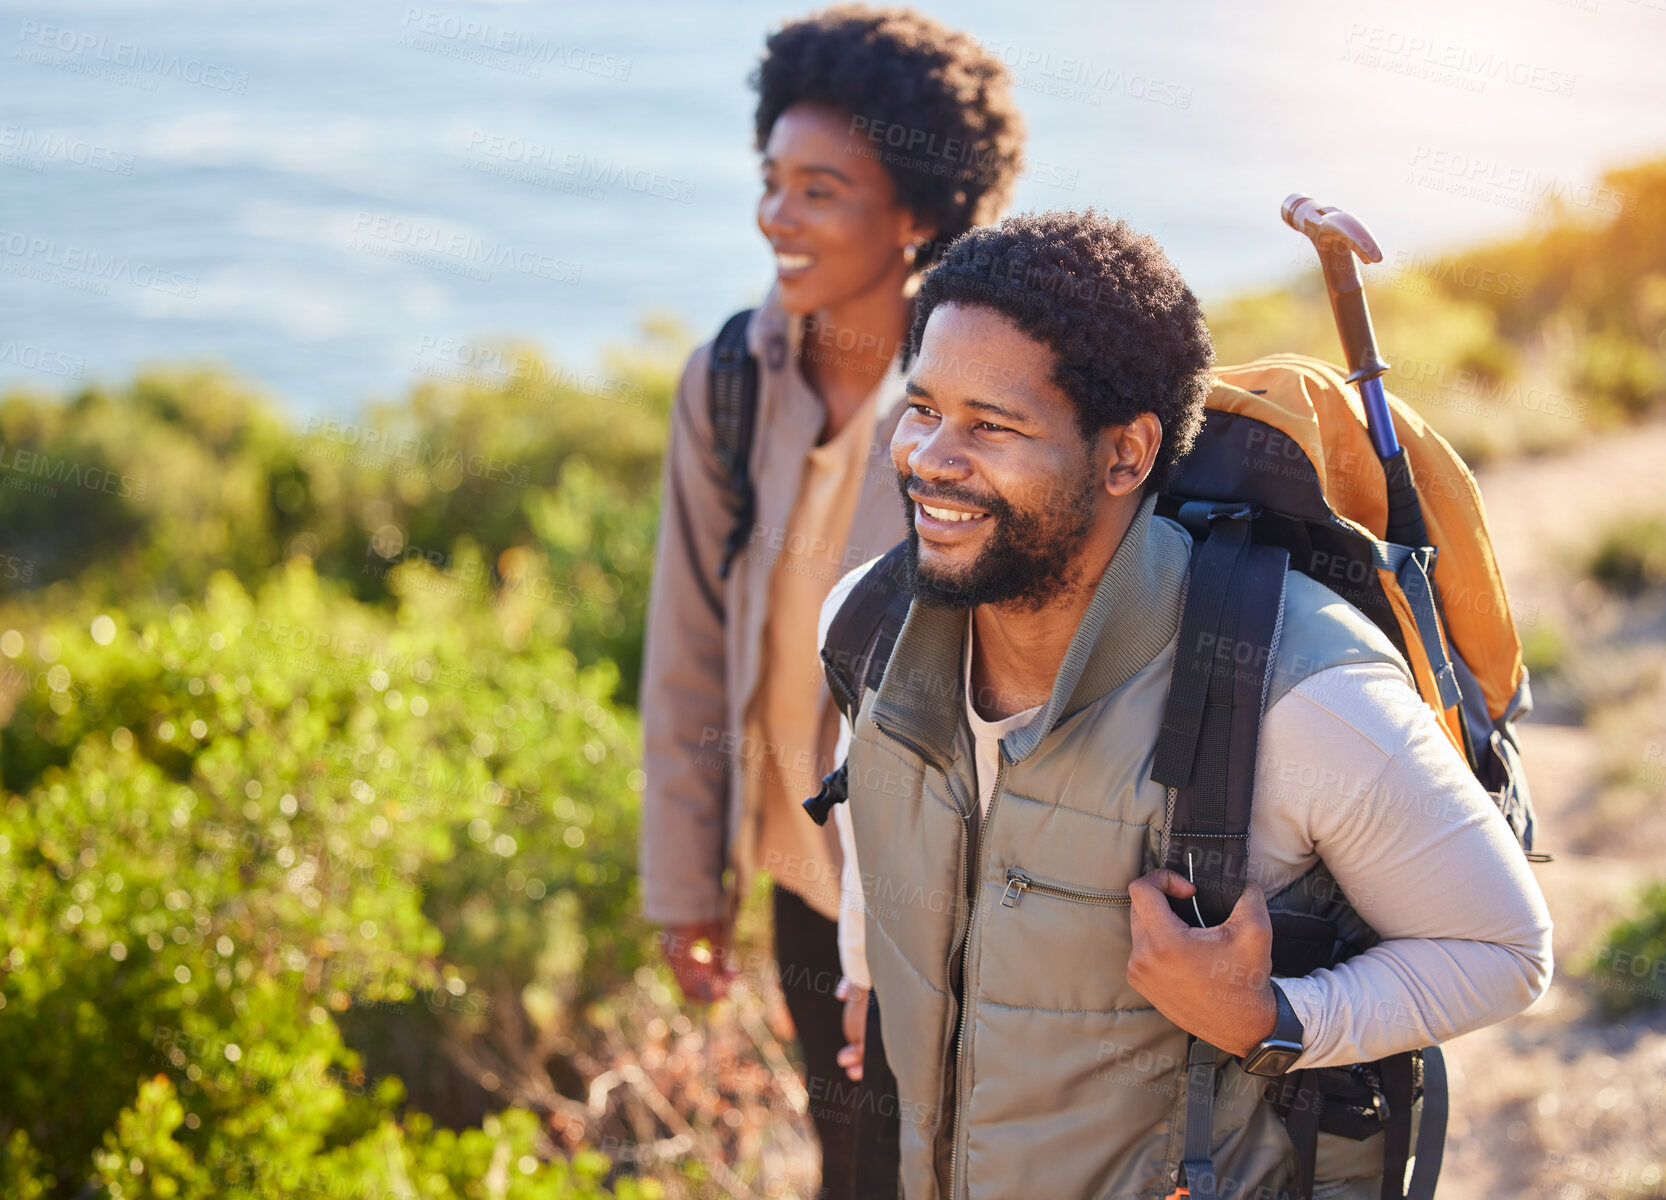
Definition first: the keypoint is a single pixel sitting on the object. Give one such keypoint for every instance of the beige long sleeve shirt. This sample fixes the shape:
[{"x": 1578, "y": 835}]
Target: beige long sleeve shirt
[
  {"x": 1354, "y": 770},
  {"x": 792, "y": 724}
]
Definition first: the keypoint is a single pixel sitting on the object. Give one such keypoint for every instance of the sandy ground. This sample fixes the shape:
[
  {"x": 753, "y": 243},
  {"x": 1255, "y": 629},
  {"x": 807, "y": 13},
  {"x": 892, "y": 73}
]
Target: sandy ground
[{"x": 1557, "y": 1102}]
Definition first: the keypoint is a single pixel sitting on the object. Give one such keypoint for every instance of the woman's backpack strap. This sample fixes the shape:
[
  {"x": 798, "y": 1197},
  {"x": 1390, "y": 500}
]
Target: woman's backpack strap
[
  {"x": 860, "y": 639},
  {"x": 733, "y": 395}
]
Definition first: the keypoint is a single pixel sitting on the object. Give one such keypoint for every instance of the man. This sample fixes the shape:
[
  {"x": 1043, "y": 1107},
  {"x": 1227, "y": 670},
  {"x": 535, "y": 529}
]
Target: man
[{"x": 1036, "y": 988}]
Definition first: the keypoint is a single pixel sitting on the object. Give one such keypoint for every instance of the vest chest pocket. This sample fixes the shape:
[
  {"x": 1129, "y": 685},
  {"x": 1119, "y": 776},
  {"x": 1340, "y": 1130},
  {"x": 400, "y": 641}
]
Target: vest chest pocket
[
  {"x": 1049, "y": 944},
  {"x": 1019, "y": 882}
]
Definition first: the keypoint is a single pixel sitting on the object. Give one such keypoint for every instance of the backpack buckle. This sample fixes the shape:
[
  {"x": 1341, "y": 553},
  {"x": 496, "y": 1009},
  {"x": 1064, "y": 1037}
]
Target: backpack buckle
[{"x": 835, "y": 789}]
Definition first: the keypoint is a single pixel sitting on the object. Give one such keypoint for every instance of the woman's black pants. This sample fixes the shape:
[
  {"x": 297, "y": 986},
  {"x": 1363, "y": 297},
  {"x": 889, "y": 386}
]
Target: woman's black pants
[{"x": 856, "y": 1123}]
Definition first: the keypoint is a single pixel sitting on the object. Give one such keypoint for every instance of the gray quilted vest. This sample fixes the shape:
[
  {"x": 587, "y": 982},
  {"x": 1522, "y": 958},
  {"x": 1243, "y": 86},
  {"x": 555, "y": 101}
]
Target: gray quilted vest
[{"x": 1054, "y": 1078}]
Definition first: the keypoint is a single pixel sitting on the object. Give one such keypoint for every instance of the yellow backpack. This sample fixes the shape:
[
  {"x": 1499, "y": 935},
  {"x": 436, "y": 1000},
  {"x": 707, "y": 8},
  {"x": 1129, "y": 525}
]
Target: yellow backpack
[
  {"x": 1288, "y": 434},
  {"x": 1285, "y": 464}
]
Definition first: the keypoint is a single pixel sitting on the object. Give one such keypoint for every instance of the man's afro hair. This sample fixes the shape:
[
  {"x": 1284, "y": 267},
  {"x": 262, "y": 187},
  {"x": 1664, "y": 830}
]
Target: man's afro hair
[
  {"x": 933, "y": 104},
  {"x": 1127, "y": 334}
]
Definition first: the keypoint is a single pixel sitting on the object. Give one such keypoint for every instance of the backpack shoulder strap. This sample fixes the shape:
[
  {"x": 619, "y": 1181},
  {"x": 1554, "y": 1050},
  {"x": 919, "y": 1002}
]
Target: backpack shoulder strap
[
  {"x": 1229, "y": 636},
  {"x": 1205, "y": 754},
  {"x": 733, "y": 396},
  {"x": 1228, "y": 641},
  {"x": 864, "y": 631},
  {"x": 860, "y": 639}
]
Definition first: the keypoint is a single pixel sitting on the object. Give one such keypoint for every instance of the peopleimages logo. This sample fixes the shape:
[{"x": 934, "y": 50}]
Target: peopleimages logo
[
  {"x": 14, "y": 353},
  {"x": 383, "y": 448},
  {"x": 1511, "y": 186},
  {"x": 44, "y": 252},
  {"x": 431, "y": 245},
  {"x": 22, "y": 468},
  {"x": 1453, "y": 273},
  {"x": 67, "y": 149},
  {"x": 470, "y": 32},
  {"x": 1447, "y": 386},
  {"x": 582, "y": 168},
  {"x": 1075, "y": 78},
  {"x": 500, "y": 367},
  {"x": 1426, "y": 57},
  {"x": 132, "y": 56}
]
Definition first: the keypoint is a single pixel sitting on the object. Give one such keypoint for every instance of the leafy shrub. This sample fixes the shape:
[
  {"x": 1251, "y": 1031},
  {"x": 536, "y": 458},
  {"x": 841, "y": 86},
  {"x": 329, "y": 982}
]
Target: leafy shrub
[
  {"x": 155, "y": 486},
  {"x": 151, "y": 488},
  {"x": 1544, "y": 649},
  {"x": 225, "y": 824},
  {"x": 1631, "y": 557},
  {"x": 141, "y": 1159},
  {"x": 1629, "y": 969}
]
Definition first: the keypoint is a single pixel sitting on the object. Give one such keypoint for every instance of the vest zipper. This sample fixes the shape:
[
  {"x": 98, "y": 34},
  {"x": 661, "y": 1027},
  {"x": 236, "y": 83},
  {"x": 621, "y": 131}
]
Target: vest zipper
[{"x": 1018, "y": 883}]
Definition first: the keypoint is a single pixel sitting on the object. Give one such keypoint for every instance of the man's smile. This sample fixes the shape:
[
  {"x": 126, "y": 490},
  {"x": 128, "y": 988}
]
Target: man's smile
[{"x": 938, "y": 519}]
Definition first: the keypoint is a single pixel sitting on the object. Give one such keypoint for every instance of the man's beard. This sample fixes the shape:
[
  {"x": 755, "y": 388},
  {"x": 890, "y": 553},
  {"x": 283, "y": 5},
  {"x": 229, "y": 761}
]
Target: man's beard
[{"x": 1025, "y": 561}]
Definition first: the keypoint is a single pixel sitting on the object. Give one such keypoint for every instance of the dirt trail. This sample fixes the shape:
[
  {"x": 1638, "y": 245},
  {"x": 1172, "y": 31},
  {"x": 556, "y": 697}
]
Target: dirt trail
[
  {"x": 1555, "y": 1102},
  {"x": 1542, "y": 511}
]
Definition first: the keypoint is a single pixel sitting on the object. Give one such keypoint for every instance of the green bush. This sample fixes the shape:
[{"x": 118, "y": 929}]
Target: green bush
[
  {"x": 1544, "y": 649},
  {"x": 151, "y": 488},
  {"x": 226, "y": 823},
  {"x": 140, "y": 1158},
  {"x": 1629, "y": 969},
  {"x": 1631, "y": 557}
]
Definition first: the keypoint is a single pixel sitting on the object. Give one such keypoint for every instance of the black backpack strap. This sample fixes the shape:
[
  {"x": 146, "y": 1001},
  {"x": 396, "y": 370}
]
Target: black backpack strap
[
  {"x": 1397, "y": 1072},
  {"x": 864, "y": 630},
  {"x": 1205, "y": 753},
  {"x": 860, "y": 639},
  {"x": 1198, "y": 1162},
  {"x": 1302, "y": 1124},
  {"x": 1223, "y": 663},
  {"x": 733, "y": 393},
  {"x": 1431, "y": 1133}
]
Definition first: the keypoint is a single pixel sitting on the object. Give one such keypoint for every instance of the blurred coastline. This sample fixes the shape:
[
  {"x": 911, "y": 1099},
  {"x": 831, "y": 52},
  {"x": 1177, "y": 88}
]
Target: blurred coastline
[{"x": 314, "y": 195}]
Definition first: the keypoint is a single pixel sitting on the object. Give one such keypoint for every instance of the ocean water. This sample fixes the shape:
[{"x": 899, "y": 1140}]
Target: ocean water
[{"x": 335, "y": 198}]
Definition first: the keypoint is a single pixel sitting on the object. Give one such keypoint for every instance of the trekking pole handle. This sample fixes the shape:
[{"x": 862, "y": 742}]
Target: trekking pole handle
[
  {"x": 1308, "y": 218},
  {"x": 1343, "y": 242}
]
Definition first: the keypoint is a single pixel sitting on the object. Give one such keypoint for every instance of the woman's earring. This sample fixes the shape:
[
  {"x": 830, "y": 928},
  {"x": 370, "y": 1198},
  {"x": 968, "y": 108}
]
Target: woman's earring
[{"x": 912, "y": 251}]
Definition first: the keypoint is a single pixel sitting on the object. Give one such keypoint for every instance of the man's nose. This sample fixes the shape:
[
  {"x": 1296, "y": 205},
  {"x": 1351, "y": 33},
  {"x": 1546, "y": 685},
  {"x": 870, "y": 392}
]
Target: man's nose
[{"x": 941, "y": 455}]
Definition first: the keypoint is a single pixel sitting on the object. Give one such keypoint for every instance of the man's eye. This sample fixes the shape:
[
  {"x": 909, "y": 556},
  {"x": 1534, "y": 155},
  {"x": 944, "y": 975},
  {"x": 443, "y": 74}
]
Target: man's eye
[
  {"x": 921, "y": 410},
  {"x": 993, "y": 426},
  {"x": 819, "y": 194}
]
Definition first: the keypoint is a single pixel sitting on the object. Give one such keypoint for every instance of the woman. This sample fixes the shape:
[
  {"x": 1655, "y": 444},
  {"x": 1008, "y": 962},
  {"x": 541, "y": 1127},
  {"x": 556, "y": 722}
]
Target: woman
[{"x": 883, "y": 136}]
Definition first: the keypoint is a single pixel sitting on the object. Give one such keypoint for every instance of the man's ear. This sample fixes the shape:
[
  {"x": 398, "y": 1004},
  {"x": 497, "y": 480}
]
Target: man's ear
[{"x": 1130, "y": 452}]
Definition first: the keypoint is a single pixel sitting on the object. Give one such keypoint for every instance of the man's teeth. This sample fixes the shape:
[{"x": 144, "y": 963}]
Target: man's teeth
[
  {"x": 949, "y": 514},
  {"x": 794, "y": 262}
]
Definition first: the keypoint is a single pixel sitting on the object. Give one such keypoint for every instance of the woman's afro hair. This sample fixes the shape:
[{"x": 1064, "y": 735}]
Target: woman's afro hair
[
  {"x": 933, "y": 104},
  {"x": 1127, "y": 334}
]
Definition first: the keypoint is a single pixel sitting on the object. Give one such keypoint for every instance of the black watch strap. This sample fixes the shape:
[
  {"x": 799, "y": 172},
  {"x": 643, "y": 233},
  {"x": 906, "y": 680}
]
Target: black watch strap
[{"x": 1280, "y": 1049}]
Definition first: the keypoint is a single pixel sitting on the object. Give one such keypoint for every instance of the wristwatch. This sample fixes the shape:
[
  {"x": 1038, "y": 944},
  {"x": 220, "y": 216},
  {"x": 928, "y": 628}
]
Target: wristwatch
[{"x": 1280, "y": 1049}]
